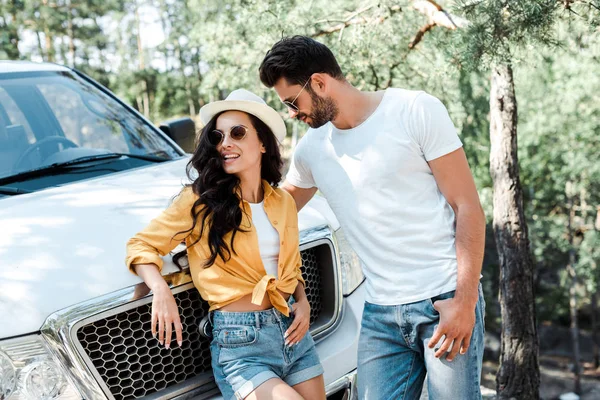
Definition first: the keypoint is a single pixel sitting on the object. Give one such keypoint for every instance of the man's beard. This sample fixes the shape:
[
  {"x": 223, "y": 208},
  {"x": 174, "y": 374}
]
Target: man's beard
[{"x": 324, "y": 110}]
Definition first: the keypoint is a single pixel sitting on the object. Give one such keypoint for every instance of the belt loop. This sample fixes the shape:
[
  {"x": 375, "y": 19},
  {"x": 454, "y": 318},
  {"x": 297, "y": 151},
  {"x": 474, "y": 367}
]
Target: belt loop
[{"x": 257, "y": 320}]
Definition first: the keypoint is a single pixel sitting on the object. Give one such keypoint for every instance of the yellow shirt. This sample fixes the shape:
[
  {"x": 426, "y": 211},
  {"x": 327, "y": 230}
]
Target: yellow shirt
[{"x": 244, "y": 273}]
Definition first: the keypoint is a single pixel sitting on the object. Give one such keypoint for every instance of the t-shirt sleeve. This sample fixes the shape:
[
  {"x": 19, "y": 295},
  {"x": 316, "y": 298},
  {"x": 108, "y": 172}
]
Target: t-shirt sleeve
[
  {"x": 431, "y": 127},
  {"x": 299, "y": 173}
]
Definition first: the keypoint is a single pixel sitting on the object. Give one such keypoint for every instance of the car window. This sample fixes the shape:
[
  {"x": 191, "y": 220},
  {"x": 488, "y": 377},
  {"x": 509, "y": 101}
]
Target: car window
[
  {"x": 78, "y": 122},
  {"x": 10, "y": 114},
  {"x": 58, "y": 117}
]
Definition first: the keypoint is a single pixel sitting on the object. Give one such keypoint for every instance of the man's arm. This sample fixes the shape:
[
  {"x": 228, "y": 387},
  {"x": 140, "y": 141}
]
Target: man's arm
[
  {"x": 457, "y": 317},
  {"x": 301, "y": 196}
]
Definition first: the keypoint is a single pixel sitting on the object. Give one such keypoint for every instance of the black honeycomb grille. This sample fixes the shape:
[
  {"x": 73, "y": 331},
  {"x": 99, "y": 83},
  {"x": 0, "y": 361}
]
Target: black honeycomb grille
[
  {"x": 131, "y": 362},
  {"x": 312, "y": 276}
]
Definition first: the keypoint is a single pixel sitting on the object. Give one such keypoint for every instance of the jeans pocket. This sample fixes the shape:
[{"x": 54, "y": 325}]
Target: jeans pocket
[
  {"x": 443, "y": 296},
  {"x": 236, "y": 336}
]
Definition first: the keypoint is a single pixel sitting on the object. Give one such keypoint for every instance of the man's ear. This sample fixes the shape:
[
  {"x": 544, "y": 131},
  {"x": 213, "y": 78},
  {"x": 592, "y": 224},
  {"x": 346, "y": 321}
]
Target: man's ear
[{"x": 320, "y": 83}]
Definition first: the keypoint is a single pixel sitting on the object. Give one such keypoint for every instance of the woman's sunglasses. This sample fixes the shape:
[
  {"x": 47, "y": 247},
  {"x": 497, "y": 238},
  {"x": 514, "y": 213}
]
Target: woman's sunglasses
[{"x": 237, "y": 132}]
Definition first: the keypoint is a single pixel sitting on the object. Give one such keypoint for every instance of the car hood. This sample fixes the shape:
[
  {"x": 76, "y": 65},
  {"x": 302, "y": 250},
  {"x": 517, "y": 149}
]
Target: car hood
[{"x": 65, "y": 245}]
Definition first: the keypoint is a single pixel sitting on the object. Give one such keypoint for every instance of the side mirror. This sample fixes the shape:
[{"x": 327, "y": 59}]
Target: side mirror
[{"x": 182, "y": 131}]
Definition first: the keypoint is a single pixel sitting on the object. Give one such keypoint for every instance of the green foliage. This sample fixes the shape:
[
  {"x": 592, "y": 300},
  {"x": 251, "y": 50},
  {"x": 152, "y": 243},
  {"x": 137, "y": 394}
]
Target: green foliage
[{"x": 496, "y": 27}]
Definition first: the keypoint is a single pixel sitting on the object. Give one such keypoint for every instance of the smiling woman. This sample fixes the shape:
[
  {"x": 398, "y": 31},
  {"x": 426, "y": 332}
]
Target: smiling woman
[{"x": 241, "y": 234}]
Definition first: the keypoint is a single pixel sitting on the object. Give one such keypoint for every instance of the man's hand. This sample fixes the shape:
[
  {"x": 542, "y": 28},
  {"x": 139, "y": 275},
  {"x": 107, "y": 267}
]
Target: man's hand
[
  {"x": 457, "y": 320},
  {"x": 301, "y": 322}
]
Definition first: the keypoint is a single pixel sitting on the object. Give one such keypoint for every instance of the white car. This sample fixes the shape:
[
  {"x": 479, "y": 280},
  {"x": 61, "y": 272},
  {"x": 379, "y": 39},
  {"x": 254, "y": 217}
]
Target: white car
[{"x": 80, "y": 173}]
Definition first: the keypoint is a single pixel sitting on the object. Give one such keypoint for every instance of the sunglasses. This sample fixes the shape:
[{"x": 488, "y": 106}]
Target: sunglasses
[
  {"x": 290, "y": 104},
  {"x": 237, "y": 132}
]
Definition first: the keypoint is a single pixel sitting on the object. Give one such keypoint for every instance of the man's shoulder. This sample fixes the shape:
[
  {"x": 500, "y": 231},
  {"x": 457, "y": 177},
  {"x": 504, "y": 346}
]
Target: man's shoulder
[
  {"x": 404, "y": 97},
  {"x": 405, "y": 103}
]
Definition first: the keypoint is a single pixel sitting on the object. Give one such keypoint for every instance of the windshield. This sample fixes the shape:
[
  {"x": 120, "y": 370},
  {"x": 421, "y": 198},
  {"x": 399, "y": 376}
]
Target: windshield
[{"x": 54, "y": 117}]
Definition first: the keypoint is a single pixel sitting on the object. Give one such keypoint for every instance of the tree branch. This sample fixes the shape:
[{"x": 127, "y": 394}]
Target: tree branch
[
  {"x": 354, "y": 19},
  {"x": 372, "y": 67},
  {"x": 392, "y": 68},
  {"x": 420, "y": 33},
  {"x": 437, "y": 17}
]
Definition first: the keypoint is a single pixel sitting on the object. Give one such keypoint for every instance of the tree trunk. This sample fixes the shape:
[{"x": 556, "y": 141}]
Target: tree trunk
[
  {"x": 48, "y": 38},
  {"x": 49, "y": 46},
  {"x": 14, "y": 32},
  {"x": 39, "y": 43},
  {"x": 71, "y": 33},
  {"x": 142, "y": 64},
  {"x": 573, "y": 295},
  {"x": 162, "y": 10},
  {"x": 518, "y": 375},
  {"x": 146, "y": 98},
  {"x": 595, "y": 337},
  {"x": 596, "y": 341}
]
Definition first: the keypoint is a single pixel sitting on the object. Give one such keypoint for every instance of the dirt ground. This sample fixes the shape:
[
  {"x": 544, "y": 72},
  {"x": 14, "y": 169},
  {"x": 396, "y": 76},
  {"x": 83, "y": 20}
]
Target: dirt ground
[{"x": 556, "y": 379}]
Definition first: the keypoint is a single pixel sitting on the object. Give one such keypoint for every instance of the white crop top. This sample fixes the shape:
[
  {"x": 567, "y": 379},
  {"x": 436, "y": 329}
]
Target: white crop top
[{"x": 268, "y": 238}]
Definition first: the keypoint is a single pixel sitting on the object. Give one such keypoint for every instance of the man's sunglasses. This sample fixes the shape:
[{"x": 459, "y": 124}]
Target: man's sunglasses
[
  {"x": 290, "y": 104},
  {"x": 237, "y": 132}
]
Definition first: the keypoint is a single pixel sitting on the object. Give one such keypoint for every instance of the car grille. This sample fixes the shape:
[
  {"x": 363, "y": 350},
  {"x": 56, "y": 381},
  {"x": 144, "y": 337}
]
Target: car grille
[{"x": 132, "y": 364}]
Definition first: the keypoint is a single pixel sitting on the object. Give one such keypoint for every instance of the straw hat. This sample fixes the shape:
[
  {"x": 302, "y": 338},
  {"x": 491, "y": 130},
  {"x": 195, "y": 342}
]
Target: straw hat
[{"x": 244, "y": 100}]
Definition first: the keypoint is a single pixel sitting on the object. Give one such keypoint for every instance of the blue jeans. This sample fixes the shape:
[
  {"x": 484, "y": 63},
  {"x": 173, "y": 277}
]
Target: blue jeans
[
  {"x": 393, "y": 357},
  {"x": 248, "y": 349}
]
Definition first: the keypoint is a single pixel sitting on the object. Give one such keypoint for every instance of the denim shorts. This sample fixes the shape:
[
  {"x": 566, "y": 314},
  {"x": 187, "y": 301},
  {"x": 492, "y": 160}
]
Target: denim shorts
[{"x": 248, "y": 349}]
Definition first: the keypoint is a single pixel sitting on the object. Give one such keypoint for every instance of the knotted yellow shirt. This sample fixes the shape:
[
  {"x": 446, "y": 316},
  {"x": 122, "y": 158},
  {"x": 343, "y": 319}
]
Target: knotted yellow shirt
[{"x": 226, "y": 281}]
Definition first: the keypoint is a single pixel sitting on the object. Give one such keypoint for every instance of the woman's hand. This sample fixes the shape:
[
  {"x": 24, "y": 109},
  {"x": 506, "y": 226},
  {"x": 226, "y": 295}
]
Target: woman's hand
[
  {"x": 165, "y": 317},
  {"x": 165, "y": 313},
  {"x": 300, "y": 324}
]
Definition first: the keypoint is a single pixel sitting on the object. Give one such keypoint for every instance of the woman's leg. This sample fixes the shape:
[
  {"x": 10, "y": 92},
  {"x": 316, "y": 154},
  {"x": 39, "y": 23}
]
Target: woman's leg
[
  {"x": 276, "y": 389},
  {"x": 313, "y": 389}
]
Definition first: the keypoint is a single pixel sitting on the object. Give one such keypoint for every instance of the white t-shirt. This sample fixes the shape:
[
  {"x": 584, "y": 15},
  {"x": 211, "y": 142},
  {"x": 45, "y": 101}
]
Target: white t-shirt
[
  {"x": 378, "y": 183},
  {"x": 268, "y": 238}
]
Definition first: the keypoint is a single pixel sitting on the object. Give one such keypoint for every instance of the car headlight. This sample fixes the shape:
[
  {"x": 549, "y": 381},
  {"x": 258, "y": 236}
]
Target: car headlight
[
  {"x": 352, "y": 275},
  {"x": 29, "y": 372}
]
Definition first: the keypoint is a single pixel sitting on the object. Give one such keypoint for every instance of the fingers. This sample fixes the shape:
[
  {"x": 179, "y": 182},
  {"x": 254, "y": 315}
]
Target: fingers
[
  {"x": 165, "y": 330},
  {"x": 466, "y": 343},
  {"x": 153, "y": 322},
  {"x": 292, "y": 327},
  {"x": 169, "y": 332},
  {"x": 179, "y": 332},
  {"x": 297, "y": 329},
  {"x": 437, "y": 335},
  {"x": 455, "y": 348},
  {"x": 165, "y": 318},
  {"x": 161, "y": 330},
  {"x": 297, "y": 334},
  {"x": 444, "y": 348}
]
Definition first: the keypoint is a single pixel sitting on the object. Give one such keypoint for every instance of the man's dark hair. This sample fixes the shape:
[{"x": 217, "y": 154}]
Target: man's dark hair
[{"x": 296, "y": 58}]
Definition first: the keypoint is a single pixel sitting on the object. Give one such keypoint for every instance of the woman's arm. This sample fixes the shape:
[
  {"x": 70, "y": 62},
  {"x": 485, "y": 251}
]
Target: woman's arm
[
  {"x": 144, "y": 252},
  {"x": 164, "y": 308}
]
